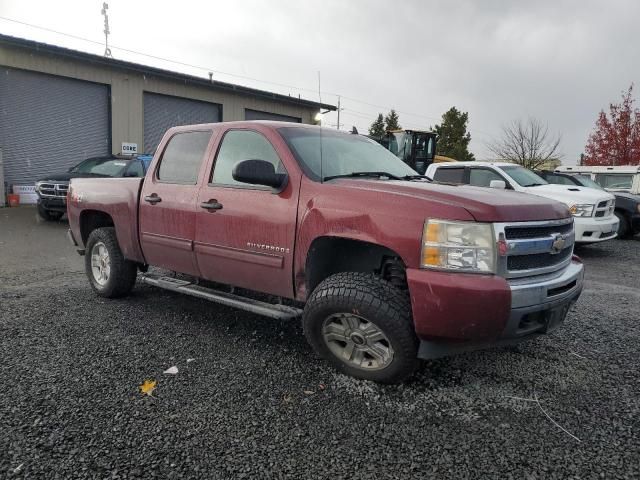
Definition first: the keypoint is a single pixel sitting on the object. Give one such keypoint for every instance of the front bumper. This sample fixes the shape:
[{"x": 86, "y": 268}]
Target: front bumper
[
  {"x": 591, "y": 229},
  {"x": 453, "y": 313},
  {"x": 53, "y": 204},
  {"x": 635, "y": 223}
]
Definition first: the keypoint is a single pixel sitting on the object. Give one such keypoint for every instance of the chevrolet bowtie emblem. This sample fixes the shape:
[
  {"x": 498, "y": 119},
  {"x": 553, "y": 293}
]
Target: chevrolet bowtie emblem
[{"x": 558, "y": 243}]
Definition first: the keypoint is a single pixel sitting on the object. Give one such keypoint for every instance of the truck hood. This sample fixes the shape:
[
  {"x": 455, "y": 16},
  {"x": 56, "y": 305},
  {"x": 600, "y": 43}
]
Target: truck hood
[
  {"x": 484, "y": 204},
  {"x": 570, "y": 194},
  {"x": 66, "y": 176}
]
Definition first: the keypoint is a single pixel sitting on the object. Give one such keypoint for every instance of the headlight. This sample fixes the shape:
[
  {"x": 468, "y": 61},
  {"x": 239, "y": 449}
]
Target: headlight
[
  {"x": 585, "y": 210},
  {"x": 462, "y": 246}
]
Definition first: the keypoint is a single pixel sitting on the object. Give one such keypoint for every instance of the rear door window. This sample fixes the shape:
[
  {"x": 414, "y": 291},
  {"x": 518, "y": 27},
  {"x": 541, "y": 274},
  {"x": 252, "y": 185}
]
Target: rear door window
[
  {"x": 449, "y": 175},
  {"x": 182, "y": 157}
]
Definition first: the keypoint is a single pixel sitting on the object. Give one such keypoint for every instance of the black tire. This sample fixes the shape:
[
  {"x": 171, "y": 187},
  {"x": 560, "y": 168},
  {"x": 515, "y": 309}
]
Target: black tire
[
  {"x": 122, "y": 272},
  {"x": 373, "y": 300},
  {"x": 623, "y": 228},
  {"x": 49, "y": 215}
]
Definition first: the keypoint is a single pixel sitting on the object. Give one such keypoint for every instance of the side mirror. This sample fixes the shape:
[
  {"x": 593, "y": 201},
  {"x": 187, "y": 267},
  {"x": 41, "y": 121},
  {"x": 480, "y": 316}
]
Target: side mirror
[
  {"x": 499, "y": 184},
  {"x": 259, "y": 172}
]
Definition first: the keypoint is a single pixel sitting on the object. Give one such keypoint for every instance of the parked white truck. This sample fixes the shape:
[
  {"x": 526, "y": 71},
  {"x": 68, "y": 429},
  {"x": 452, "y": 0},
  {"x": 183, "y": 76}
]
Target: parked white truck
[{"x": 593, "y": 210}]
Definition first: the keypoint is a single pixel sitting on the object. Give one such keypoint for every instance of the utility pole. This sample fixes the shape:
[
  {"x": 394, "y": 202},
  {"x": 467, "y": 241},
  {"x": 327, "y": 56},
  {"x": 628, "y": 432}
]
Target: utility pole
[
  {"x": 338, "y": 112},
  {"x": 107, "y": 50}
]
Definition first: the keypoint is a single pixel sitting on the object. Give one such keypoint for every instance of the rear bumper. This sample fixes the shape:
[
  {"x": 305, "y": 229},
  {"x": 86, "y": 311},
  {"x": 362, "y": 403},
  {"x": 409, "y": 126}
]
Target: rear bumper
[
  {"x": 590, "y": 230},
  {"x": 453, "y": 313},
  {"x": 72, "y": 240}
]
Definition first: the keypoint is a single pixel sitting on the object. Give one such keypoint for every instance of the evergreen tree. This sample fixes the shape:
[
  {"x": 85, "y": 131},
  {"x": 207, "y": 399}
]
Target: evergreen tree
[
  {"x": 376, "y": 130},
  {"x": 391, "y": 121},
  {"x": 453, "y": 138}
]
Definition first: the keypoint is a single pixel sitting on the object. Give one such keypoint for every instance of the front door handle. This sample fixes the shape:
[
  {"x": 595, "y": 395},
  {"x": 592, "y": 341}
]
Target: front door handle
[
  {"x": 152, "y": 199},
  {"x": 211, "y": 205}
]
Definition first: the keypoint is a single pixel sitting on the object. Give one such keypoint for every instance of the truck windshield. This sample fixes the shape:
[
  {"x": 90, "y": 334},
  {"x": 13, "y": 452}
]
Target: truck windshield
[
  {"x": 587, "y": 182},
  {"x": 110, "y": 167},
  {"x": 523, "y": 176},
  {"x": 341, "y": 153}
]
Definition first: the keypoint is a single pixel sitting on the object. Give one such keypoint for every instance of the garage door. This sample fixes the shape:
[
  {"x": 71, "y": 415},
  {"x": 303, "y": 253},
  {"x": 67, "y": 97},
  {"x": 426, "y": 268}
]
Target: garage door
[
  {"x": 50, "y": 123},
  {"x": 258, "y": 115},
  {"x": 162, "y": 112}
]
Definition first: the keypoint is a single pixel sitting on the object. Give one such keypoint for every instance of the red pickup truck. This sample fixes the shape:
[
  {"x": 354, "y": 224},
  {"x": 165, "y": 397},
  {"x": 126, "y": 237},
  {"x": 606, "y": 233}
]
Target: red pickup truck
[{"x": 382, "y": 265}]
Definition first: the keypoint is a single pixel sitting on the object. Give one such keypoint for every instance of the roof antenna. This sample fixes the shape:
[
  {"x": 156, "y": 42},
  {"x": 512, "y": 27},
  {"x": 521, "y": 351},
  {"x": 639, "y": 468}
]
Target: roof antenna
[
  {"x": 320, "y": 99},
  {"x": 107, "y": 50}
]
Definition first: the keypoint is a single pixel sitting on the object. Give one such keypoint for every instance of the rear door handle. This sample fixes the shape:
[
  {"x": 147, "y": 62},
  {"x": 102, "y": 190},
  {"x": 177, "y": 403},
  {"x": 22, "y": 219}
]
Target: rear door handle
[
  {"x": 211, "y": 205},
  {"x": 152, "y": 199}
]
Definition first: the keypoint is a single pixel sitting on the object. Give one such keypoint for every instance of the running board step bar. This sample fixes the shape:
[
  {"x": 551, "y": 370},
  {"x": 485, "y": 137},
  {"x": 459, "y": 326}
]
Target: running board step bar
[{"x": 281, "y": 312}]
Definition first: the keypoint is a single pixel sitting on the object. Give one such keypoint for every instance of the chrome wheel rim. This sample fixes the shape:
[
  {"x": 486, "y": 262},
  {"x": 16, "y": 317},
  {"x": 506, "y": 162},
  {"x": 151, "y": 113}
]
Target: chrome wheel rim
[
  {"x": 100, "y": 263},
  {"x": 357, "y": 342}
]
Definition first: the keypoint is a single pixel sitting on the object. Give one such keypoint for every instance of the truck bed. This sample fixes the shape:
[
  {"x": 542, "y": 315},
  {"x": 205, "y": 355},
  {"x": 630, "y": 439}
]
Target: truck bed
[{"x": 118, "y": 198}]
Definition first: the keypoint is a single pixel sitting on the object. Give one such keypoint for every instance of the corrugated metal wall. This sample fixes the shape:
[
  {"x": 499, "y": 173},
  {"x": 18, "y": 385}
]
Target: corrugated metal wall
[
  {"x": 258, "y": 115},
  {"x": 50, "y": 123},
  {"x": 162, "y": 112}
]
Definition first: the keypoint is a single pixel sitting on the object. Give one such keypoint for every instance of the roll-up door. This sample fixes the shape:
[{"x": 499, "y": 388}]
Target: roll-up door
[
  {"x": 258, "y": 115},
  {"x": 162, "y": 112},
  {"x": 50, "y": 123}
]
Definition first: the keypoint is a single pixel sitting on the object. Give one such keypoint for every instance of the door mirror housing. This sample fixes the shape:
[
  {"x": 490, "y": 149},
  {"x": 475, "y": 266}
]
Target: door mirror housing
[
  {"x": 259, "y": 172},
  {"x": 499, "y": 184}
]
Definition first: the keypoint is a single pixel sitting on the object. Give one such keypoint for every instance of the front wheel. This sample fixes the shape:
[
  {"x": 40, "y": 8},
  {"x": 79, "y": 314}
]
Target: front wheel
[
  {"x": 109, "y": 273},
  {"x": 623, "y": 226},
  {"x": 362, "y": 325}
]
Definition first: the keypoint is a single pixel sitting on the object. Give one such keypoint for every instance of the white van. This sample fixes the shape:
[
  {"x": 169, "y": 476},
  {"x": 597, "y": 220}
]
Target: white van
[
  {"x": 593, "y": 210},
  {"x": 625, "y": 178}
]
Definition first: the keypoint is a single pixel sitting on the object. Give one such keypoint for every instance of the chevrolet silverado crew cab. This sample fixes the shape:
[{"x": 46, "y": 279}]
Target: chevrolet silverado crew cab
[
  {"x": 52, "y": 189},
  {"x": 592, "y": 209},
  {"x": 383, "y": 266}
]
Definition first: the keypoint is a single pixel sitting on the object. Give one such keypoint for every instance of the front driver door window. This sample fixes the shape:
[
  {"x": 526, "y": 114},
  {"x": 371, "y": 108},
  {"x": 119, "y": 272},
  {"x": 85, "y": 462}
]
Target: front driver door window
[
  {"x": 482, "y": 177},
  {"x": 248, "y": 240}
]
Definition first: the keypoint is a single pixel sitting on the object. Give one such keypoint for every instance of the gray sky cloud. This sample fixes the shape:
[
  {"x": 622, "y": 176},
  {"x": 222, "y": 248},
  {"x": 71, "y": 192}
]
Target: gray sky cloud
[{"x": 559, "y": 61}]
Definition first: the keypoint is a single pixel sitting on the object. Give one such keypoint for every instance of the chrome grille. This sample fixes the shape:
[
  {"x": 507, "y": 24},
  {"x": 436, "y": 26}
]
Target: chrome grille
[
  {"x": 53, "y": 189},
  {"x": 534, "y": 248},
  {"x": 605, "y": 208}
]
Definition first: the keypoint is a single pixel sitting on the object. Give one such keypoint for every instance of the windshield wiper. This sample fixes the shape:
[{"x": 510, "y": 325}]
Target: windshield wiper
[
  {"x": 416, "y": 177},
  {"x": 533, "y": 185},
  {"x": 363, "y": 174}
]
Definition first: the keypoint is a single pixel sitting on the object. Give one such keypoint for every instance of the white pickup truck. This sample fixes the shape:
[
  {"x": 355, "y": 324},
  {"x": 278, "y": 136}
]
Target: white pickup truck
[{"x": 593, "y": 210}]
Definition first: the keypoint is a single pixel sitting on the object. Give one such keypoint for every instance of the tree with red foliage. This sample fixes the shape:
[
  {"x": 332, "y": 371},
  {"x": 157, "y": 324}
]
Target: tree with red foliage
[{"x": 616, "y": 137}]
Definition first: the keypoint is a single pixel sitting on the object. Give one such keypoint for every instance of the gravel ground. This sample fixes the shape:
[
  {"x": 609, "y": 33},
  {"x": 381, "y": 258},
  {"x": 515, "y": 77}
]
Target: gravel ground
[{"x": 256, "y": 402}]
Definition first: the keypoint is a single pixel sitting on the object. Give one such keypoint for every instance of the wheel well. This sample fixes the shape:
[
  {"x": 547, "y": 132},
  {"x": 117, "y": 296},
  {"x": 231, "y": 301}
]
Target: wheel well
[
  {"x": 330, "y": 255},
  {"x": 92, "y": 219}
]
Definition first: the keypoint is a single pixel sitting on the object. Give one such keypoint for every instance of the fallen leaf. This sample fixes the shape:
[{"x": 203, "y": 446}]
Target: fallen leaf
[
  {"x": 147, "y": 387},
  {"x": 171, "y": 370},
  {"x": 321, "y": 387},
  {"x": 189, "y": 360},
  {"x": 309, "y": 392},
  {"x": 287, "y": 398}
]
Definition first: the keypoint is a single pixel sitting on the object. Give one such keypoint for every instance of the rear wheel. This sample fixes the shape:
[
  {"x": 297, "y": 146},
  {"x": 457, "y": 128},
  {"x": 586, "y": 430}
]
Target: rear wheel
[
  {"x": 109, "y": 273},
  {"x": 49, "y": 215},
  {"x": 362, "y": 325},
  {"x": 623, "y": 226}
]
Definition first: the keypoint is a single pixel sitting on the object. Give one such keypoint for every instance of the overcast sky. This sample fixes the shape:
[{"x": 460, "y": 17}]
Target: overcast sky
[{"x": 559, "y": 61}]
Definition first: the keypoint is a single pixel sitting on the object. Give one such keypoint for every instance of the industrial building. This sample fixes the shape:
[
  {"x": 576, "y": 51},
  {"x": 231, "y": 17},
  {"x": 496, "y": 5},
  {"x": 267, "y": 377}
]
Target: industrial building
[{"x": 59, "y": 106}]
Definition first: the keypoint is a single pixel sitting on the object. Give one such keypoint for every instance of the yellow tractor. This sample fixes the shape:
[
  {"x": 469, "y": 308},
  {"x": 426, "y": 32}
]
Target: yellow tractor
[{"x": 417, "y": 148}]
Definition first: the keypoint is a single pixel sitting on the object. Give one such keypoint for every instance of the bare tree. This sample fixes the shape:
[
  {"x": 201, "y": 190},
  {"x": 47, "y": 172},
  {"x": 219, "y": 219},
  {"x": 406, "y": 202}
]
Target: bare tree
[{"x": 526, "y": 143}]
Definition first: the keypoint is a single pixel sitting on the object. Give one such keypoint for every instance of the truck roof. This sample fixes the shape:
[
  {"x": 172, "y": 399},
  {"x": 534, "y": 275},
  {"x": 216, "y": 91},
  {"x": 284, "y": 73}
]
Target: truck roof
[
  {"x": 478, "y": 164},
  {"x": 599, "y": 169}
]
